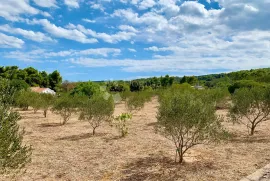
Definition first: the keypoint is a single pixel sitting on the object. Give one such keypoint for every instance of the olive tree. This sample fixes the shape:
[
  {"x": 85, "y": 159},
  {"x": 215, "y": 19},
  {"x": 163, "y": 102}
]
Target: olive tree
[
  {"x": 136, "y": 100},
  {"x": 250, "y": 107},
  {"x": 24, "y": 99},
  {"x": 46, "y": 101},
  {"x": 187, "y": 120},
  {"x": 65, "y": 106},
  {"x": 35, "y": 101},
  {"x": 97, "y": 109},
  {"x": 13, "y": 154}
]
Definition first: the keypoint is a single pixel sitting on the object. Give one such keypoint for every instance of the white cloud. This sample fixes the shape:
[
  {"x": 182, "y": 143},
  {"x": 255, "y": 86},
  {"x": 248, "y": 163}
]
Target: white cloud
[
  {"x": 46, "y": 3},
  {"x": 35, "y": 36},
  {"x": 60, "y": 32},
  {"x": 145, "y": 4},
  {"x": 98, "y": 7},
  {"x": 12, "y": 10},
  {"x": 10, "y": 41},
  {"x": 88, "y": 20},
  {"x": 132, "y": 50},
  {"x": 72, "y": 3},
  {"x": 128, "y": 28},
  {"x": 42, "y": 55},
  {"x": 114, "y": 38}
]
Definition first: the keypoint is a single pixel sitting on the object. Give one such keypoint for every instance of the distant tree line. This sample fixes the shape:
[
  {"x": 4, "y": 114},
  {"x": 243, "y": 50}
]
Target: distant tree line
[{"x": 23, "y": 78}]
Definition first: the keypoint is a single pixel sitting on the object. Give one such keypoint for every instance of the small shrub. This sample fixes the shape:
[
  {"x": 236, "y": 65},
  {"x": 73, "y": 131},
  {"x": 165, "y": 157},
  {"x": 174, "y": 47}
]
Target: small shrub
[{"x": 120, "y": 122}]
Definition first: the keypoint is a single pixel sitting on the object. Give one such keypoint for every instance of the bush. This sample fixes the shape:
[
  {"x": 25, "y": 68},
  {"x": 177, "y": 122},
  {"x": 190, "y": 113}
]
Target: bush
[
  {"x": 136, "y": 86},
  {"x": 250, "y": 107},
  {"x": 120, "y": 122},
  {"x": 187, "y": 120},
  {"x": 13, "y": 154},
  {"x": 19, "y": 84},
  {"x": 97, "y": 109}
]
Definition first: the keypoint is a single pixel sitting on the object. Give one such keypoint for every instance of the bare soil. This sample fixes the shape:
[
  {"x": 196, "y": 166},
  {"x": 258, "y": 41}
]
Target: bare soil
[{"x": 70, "y": 152}]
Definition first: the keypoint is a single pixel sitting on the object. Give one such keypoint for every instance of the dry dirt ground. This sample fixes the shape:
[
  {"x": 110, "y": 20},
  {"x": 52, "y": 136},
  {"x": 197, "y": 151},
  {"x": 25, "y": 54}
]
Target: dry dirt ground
[{"x": 70, "y": 152}]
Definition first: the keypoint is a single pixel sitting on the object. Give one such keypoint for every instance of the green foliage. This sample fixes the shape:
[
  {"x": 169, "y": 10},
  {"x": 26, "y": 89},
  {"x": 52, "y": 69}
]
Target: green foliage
[
  {"x": 55, "y": 80},
  {"x": 97, "y": 109},
  {"x": 13, "y": 154},
  {"x": 86, "y": 89},
  {"x": 31, "y": 76},
  {"x": 136, "y": 86},
  {"x": 41, "y": 102},
  {"x": 119, "y": 86},
  {"x": 65, "y": 106},
  {"x": 166, "y": 81},
  {"x": 136, "y": 100},
  {"x": 120, "y": 122},
  {"x": 35, "y": 101},
  {"x": 47, "y": 101},
  {"x": 250, "y": 107},
  {"x": 218, "y": 96},
  {"x": 187, "y": 120},
  {"x": 24, "y": 99},
  {"x": 19, "y": 84},
  {"x": 244, "y": 84},
  {"x": 190, "y": 80}
]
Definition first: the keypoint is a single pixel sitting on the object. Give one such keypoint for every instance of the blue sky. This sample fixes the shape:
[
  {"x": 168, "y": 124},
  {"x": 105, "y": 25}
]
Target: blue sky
[{"x": 128, "y": 39}]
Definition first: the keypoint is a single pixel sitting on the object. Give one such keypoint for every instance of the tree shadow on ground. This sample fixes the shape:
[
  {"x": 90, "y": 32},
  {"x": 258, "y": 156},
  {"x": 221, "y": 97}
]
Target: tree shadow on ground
[
  {"x": 46, "y": 125},
  {"x": 161, "y": 168},
  {"x": 80, "y": 136},
  {"x": 251, "y": 139},
  {"x": 112, "y": 138},
  {"x": 154, "y": 124}
]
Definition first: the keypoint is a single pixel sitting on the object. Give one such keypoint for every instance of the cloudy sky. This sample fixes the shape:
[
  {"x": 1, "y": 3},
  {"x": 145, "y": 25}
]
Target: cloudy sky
[{"x": 125, "y": 39}]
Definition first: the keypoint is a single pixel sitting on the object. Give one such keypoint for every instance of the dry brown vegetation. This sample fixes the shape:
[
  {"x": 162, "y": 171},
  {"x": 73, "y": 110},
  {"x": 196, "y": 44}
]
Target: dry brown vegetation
[{"x": 70, "y": 152}]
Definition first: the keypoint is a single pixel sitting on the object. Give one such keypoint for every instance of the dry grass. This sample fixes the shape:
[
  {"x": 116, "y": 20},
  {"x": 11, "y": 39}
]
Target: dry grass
[{"x": 70, "y": 152}]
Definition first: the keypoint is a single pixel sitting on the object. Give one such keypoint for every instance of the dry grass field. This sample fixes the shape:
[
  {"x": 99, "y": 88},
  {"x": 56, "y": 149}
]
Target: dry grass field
[{"x": 70, "y": 152}]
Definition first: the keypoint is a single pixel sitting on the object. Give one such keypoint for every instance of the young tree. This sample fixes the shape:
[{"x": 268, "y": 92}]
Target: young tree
[
  {"x": 13, "y": 154},
  {"x": 65, "y": 106},
  {"x": 120, "y": 122},
  {"x": 136, "y": 100},
  {"x": 250, "y": 107},
  {"x": 46, "y": 101},
  {"x": 187, "y": 121},
  {"x": 97, "y": 109},
  {"x": 35, "y": 101},
  {"x": 23, "y": 99}
]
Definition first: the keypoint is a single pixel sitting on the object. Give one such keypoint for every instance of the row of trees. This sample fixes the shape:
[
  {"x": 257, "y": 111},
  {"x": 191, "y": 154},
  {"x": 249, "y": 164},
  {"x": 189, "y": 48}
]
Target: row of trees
[
  {"x": 188, "y": 118},
  {"x": 185, "y": 116},
  {"x": 32, "y": 77}
]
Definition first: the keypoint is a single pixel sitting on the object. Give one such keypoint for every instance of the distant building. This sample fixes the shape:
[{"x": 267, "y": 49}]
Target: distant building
[
  {"x": 198, "y": 87},
  {"x": 43, "y": 90}
]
